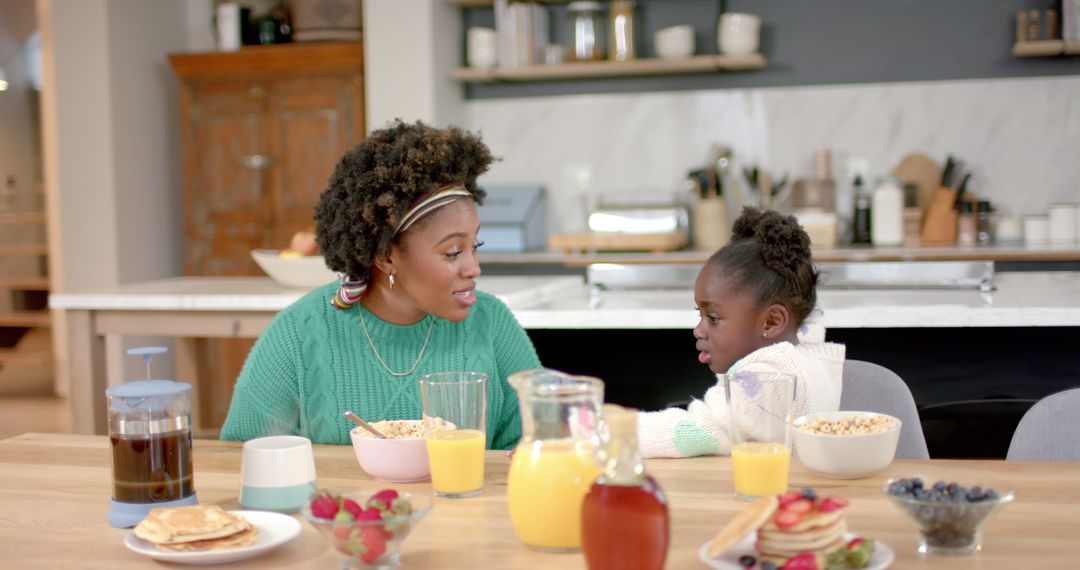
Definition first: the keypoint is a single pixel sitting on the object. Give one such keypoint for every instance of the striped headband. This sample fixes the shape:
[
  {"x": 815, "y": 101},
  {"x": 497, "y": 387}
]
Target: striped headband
[{"x": 352, "y": 288}]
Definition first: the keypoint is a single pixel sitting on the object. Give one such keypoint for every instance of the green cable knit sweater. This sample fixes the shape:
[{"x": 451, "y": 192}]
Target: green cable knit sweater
[{"x": 313, "y": 362}]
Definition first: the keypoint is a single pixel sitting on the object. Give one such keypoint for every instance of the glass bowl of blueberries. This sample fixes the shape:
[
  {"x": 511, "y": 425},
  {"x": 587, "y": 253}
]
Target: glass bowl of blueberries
[{"x": 950, "y": 516}]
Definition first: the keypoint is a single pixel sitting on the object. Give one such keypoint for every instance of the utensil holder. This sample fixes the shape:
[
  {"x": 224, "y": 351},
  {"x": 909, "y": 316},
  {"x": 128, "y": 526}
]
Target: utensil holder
[
  {"x": 710, "y": 228},
  {"x": 940, "y": 221}
]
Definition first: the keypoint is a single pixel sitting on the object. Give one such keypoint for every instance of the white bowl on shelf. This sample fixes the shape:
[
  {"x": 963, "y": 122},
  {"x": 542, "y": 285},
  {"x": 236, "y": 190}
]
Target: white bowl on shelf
[
  {"x": 304, "y": 272},
  {"x": 676, "y": 42}
]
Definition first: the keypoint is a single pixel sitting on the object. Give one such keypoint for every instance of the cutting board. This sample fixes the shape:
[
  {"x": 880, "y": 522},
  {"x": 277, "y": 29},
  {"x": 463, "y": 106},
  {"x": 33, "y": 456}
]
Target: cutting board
[
  {"x": 922, "y": 170},
  {"x": 612, "y": 241}
]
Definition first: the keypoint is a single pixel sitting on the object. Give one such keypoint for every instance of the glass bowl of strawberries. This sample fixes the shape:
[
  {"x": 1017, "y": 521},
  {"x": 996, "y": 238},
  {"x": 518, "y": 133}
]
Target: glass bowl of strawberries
[{"x": 366, "y": 529}]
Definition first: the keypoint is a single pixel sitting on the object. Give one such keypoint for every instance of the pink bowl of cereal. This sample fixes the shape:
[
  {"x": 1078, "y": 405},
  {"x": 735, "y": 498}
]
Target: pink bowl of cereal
[
  {"x": 401, "y": 458},
  {"x": 846, "y": 445}
]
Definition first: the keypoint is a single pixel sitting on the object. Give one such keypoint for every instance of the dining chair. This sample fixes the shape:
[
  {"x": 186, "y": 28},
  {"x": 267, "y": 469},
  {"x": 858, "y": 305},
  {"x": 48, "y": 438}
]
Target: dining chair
[
  {"x": 869, "y": 387},
  {"x": 1049, "y": 431}
]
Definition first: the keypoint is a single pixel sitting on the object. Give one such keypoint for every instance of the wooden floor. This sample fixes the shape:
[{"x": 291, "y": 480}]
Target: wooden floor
[{"x": 21, "y": 414}]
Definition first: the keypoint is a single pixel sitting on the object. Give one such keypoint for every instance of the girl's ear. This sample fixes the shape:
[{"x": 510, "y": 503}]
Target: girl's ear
[
  {"x": 386, "y": 265},
  {"x": 776, "y": 321}
]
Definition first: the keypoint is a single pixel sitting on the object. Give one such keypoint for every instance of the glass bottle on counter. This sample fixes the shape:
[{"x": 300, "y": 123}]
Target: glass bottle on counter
[
  {"x": 965, "y": 226},
  {"x": 984, "y": 223},
  {"x": 624, "y": 517},
  {"x": 861, "y": 219},
  {"x": 887, "y": 213}
]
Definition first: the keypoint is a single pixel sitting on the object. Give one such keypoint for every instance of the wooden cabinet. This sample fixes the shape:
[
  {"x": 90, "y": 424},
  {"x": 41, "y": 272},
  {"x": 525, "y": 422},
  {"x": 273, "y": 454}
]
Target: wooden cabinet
[{"x": 261, "y": 131}]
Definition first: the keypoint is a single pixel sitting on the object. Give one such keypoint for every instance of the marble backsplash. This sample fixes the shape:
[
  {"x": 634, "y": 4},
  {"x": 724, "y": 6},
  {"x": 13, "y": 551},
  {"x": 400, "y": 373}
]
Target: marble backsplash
[{"x": 1019, "y": 137}]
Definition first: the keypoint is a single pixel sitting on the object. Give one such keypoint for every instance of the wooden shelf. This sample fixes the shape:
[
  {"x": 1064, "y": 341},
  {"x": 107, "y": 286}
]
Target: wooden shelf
[
  {"x": 15, "y": 356},
  {"x": 24, "y": 249},
  {"x": 593, "y": 69},
  {"x": 599, "y": 241},
  {"x": 24, "y": 283},
  {"x": 490, "y": 3},
  {"x": 1045, "y": 48},
  {"x": 25, "y": 319},
  {"x": 27, "y": 218},
  {"x": 313, "y": 58}
]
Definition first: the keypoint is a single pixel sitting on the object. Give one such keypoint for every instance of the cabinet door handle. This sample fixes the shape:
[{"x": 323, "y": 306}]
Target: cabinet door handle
[{"x": 256, "y": 161}]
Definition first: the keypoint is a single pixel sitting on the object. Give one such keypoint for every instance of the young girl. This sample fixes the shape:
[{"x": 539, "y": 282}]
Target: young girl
[{"x": 753, "y": 296}]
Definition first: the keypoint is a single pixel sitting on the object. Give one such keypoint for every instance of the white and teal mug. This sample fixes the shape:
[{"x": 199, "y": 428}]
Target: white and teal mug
[{"x": 277, "y": 473}]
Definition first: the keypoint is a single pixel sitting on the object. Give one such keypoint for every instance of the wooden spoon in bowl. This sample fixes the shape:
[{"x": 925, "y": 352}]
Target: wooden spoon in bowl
[{"x": 370, "y": 428}]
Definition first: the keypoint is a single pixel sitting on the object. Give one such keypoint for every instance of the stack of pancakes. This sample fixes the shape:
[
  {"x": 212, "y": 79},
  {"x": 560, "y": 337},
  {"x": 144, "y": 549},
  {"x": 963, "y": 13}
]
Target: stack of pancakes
[
  {"x": 183, "y": 529},
  {"x": 817, "y": 533}
]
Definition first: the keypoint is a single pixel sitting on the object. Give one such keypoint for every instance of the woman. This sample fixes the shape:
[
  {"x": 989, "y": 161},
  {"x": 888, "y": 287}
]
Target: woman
[{"x": 399, "y": 221}]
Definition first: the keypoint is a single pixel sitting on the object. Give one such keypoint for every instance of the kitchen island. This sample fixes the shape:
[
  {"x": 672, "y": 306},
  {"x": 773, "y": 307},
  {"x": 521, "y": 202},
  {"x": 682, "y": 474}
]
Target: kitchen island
[{"x": 639, "y": 341}]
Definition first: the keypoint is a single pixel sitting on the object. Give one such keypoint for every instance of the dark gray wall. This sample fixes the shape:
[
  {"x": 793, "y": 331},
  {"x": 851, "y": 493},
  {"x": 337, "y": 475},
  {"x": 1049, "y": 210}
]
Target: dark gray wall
[{"x": 817, "y": 42}]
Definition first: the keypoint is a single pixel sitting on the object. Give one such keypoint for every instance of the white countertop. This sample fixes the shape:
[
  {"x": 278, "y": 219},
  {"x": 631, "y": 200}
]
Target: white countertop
[
  {"x": 264, "y": 294},
  {"x": 564, "y": 302}
]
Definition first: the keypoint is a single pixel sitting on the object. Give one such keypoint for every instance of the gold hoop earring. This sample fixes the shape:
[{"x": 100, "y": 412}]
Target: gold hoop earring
[{"x": 391, "y": 280}]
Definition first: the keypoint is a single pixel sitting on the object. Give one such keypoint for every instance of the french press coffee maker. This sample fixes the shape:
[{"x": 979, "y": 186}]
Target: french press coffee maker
[{"x": 150, "y": 433}]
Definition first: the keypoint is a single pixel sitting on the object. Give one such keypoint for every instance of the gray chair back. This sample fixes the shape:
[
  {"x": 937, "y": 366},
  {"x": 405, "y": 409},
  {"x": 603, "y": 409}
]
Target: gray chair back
[
  {"x": 1049, "y": 431},
  {"x": 869, "y": 387}
]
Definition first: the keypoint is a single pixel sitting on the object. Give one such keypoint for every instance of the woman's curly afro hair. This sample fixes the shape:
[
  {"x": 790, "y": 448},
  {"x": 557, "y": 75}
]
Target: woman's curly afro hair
[
  {"x": 376, "y": 183},
  {"x": 769, "y": 255}
]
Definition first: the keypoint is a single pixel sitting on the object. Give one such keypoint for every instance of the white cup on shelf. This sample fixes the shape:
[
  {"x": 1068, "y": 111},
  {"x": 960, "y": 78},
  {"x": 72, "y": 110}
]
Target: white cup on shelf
[
  {"x": 1036, "y": 230},
  {"x": 1063, "y": 222},
  {"x": 738, "y": 33},
  {"x": 675, "y": 42},
  {"x": 480, "y": 47}
]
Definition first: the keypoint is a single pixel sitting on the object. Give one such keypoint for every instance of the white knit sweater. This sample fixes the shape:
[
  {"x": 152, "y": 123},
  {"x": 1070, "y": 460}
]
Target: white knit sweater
[{"x": 702, "y": 428}]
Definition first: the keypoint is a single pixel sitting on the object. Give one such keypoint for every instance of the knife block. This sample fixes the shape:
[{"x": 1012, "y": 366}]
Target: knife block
[{"x": 939, "y": 223}]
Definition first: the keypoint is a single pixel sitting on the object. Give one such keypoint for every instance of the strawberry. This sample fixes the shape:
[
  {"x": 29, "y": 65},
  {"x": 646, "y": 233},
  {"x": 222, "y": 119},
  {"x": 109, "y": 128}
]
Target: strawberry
[
  {"x": 805, "y": 561},
  {"x": 352, "y": 506},
  {"x": 801, "y": 507},
  {"x": 344, "y": 516},
  {"x": 374, "y": 541},
  {"x": 854, "y": 543},
  {"x": 324, "y": 505},
  {"x": 785, "y": 519},
  {"x": 341, "y": 532},
  {"x": 831, "y": 504},
  {"x": 369, "y": 514},
  {"x": 382, "y": 499},
  {"x": 788, "y": 498}
]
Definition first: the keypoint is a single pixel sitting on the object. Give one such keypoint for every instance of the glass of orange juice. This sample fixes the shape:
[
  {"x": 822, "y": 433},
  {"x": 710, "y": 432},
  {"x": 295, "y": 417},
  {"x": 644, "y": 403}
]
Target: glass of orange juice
[
  {"x": 761, "y": 405},
  {"x": 455, "y": 408}
]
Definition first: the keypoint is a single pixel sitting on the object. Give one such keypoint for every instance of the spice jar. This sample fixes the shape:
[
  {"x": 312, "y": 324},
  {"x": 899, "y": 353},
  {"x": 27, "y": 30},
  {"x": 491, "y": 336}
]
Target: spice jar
[
  {"x": 965, "y": 233},
  {"x": 587, "y": 30},
  {"x": 621, "y": 35},
  {"x": 984, "y": 223}
]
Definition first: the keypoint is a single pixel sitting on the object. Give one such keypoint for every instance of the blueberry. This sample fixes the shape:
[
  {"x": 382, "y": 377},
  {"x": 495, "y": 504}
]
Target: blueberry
[
  {"x": 953, "y": 488},
  {"x": 809, "y": 494},
  {"x": 940, "y": 486},
  {"x": 747, "y": 561},
  {"x": 897, "y": 488},
  {"x": 917, "y": 483},
  {"x": 991, "y": 495}
]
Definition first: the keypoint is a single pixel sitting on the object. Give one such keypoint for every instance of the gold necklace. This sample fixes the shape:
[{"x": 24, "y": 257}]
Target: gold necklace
[{"x": 383, "y": 362}]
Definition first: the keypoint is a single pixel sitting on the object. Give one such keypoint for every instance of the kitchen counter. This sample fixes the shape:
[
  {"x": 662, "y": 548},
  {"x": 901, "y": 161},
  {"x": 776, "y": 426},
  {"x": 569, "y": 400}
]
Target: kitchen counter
[
  {"x": 1020, "y": 300},
  {"x": 1015, "y": 253},
  {"x": 193, "y": 308}
]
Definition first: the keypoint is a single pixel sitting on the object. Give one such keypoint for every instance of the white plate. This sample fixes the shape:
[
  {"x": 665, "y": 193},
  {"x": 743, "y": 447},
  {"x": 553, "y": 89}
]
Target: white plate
[
  {"x": 275, "y": 529},
  {"x": 882, "y": 558}
]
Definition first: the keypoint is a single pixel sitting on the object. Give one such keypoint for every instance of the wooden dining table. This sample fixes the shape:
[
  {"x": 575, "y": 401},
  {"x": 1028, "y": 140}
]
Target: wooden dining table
[{"x": 55, "y": 489}]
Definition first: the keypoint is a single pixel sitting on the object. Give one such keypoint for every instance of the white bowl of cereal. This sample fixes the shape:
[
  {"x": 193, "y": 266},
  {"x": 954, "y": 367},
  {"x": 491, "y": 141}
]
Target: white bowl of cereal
[
  {"x": 401, "y": 458},
  {"x": 846, "y": 445}
]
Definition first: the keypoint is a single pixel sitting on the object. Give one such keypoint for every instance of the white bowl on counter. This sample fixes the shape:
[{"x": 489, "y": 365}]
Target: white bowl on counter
[{"x": 305, "y": 272}]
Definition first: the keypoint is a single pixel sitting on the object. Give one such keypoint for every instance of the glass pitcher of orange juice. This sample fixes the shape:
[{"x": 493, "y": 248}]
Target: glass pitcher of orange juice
[{"x": 555, "y": 462}]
